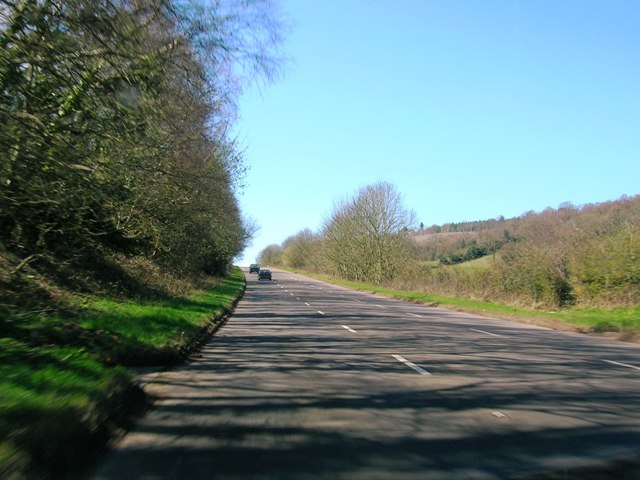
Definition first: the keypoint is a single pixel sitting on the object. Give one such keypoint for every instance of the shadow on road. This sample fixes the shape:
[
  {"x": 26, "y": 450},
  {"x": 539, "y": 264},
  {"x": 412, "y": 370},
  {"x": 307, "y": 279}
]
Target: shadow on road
[{"x": 286, "y": 393}]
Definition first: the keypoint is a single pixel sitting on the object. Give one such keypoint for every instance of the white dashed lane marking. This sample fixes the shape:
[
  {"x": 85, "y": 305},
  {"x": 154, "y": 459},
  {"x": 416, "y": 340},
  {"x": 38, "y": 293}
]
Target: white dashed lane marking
[
  {"x": 349, "y": 329},
  {"x": 622, "y": 364},
  {"x": 409, "y": 364},
  {"x": 486, "y": 333}
]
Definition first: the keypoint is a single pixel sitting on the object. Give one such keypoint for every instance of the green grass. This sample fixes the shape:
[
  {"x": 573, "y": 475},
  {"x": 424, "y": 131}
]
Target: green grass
[
  {"x": 479, "y": 264},
  {"x": 157, "y": 323},
  {"x": 48, "y": 395},
  {"x": 625, "y": 321},
  {"x": 61, "y": 387},
  {"x": 148, "y": 331}
]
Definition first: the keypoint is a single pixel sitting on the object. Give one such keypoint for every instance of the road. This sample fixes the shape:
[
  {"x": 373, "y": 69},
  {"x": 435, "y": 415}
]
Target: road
[{"x": 312, "y": 381}]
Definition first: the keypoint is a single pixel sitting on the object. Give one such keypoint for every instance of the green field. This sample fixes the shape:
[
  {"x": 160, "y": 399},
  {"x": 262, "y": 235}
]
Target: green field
[
  {"x": 64, "y": 385},
  {"x": 482, "y": 263}
]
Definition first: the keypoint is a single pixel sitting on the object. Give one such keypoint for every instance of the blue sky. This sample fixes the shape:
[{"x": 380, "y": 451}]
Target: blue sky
[{"x": 471, "y": 108}]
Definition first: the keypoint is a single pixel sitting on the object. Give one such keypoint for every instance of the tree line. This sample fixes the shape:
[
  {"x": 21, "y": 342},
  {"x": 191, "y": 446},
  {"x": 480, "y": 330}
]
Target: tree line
[
  {"x": 115, "y": 118},
  {"x": 365, "y": 238},
  {"x": 573, "y": 255}
]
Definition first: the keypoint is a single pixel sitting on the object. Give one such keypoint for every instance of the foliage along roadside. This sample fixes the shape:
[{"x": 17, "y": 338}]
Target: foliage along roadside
[
  {"x": 63, "y": 396},
  {"x": 115, "y": 129},
  {"x": 622, "y": 323},
  {"x": 586, "y": 256}
]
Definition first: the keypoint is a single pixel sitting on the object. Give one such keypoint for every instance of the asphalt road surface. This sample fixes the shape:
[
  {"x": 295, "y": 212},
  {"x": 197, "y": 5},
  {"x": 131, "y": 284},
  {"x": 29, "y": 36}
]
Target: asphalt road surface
[{"x": 313, "y": 381}]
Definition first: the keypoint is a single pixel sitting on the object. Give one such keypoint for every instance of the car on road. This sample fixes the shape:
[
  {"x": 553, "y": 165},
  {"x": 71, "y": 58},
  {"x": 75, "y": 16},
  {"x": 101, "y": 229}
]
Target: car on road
[
  {"x": 254, "y": 268},
  {"x": 264, "y": 274}
]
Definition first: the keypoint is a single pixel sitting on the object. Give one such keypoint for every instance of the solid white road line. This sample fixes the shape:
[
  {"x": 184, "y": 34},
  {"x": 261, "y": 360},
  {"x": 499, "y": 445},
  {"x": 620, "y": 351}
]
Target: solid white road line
[
  {"x": 486, "y": 333},
  {"x": 348, "y": 328},
  {"x": 409, "y": 364},
  {"x": 622, "y": 364}
]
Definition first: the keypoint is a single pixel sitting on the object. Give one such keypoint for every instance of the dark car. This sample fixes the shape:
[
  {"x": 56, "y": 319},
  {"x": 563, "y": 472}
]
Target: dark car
[
  {"x": 254, "y": 268},
  {"x": 264, "y": 274}
]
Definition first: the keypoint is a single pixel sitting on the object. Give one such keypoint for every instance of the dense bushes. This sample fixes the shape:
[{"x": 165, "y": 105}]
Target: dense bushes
[
  {"x": 114, "y": 128},
  {"x": 607, "y": 267}
]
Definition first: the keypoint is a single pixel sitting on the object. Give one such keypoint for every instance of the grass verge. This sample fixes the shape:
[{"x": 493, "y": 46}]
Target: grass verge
[
  {"x": 622, "y": 323},
  {"x": 64, "y": 386}
]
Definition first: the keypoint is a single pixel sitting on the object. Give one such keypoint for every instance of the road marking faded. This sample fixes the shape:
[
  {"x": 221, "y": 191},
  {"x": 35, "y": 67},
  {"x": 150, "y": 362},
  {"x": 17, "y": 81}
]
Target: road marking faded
[
  {"x": 486, "y": 333},
  {"x": 348, "y": 328},
  {"x": 622, "y": 364},
  {"x": 409, "y": 364},
  {"x": 416, "y": 315}
]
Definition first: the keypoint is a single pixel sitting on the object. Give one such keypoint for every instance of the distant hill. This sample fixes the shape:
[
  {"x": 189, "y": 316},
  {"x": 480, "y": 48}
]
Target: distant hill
[
  {"x": 463, "y": 241},
  {"x": 587, "y": 254}
]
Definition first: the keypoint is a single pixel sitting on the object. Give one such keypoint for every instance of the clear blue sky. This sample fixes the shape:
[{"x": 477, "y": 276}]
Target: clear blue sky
[{"x": 471, "y": 108}]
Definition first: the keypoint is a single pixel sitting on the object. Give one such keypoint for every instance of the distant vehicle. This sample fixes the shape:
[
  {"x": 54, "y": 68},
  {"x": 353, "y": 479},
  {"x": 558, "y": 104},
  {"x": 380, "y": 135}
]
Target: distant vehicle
[
  {"x": 254, "y": 268},
  {"x": 264, "y": 274}
]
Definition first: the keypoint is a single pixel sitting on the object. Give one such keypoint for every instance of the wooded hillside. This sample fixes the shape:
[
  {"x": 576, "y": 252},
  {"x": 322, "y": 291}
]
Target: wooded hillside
[{"x": 588, "y": 255}]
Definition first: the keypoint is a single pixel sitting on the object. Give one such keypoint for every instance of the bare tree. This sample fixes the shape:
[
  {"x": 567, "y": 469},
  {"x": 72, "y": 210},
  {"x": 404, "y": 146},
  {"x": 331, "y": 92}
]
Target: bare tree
[
  {"x": 271, "y": 255},
  {"x": 299, "y": 250},
  {"x": 366, "y": 237}
]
